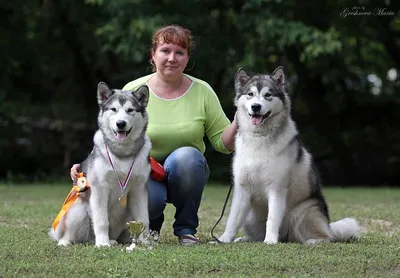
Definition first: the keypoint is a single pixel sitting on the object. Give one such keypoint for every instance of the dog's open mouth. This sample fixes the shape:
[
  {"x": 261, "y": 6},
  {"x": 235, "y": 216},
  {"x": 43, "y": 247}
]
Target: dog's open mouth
[
  {"x": 259, "y": 119},
  {"x": 121, "y": 134}
]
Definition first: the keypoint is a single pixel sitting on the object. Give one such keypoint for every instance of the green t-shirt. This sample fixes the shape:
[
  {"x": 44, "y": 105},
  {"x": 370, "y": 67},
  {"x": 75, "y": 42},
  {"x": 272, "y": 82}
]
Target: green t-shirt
[{"x": 185, "y": 120}]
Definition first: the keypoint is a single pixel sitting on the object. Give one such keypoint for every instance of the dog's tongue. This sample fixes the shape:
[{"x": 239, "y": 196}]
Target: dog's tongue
[
  {"x": 121, "y": 135},
  {"x": 256, "y": 119}
]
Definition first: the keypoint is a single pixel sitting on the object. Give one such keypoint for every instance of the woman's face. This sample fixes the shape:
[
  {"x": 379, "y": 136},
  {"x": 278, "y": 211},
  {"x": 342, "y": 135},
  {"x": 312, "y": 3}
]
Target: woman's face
[{"x": 170, "y": 59}]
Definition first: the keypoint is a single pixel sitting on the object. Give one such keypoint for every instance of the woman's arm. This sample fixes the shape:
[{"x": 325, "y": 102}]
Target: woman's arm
[{"x": 229, "y": 134}]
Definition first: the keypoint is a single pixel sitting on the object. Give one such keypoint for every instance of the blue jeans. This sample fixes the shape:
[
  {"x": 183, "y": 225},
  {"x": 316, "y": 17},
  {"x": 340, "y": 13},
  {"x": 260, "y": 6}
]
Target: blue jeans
[{"x": 187, "y": 174}]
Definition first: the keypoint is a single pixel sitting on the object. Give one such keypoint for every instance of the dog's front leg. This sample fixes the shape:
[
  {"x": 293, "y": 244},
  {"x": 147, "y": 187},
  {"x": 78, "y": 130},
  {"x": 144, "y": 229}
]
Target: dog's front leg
[
  {"x": 99, "y": 208},
  {"x": 138, "y": 207},
  {"x": 239, "y": 210},
  {"x": 276, "y": 212}
]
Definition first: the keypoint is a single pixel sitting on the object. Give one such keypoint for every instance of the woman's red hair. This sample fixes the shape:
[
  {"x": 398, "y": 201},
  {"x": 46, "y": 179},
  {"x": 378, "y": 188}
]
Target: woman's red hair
[{"x": 172, "y": 34}]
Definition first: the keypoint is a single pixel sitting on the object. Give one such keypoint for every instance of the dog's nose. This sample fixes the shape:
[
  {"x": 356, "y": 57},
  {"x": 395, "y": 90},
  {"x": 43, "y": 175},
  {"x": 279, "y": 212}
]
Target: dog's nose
[
  {"x": 121, "y": 124},
  {"x": 256, "y": 107}
]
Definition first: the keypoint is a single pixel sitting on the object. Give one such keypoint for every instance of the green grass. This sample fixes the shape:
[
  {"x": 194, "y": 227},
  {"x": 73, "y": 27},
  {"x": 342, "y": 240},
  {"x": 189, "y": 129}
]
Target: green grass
[{"x": 27, "y": 211}]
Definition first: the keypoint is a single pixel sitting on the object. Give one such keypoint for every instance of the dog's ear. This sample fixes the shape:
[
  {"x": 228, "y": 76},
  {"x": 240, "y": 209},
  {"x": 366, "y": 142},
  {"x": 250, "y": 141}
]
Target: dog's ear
[
  {"x": 241, "y": 78},
  {"x": 278, "y": 76},
  {"x": 103, "y": 93},
  {"x": 142, "y": 94}
]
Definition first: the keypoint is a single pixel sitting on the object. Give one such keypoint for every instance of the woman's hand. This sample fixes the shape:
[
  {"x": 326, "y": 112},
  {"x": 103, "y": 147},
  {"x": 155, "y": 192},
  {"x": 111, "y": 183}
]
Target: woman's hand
[{"x": 75, "y": 172}]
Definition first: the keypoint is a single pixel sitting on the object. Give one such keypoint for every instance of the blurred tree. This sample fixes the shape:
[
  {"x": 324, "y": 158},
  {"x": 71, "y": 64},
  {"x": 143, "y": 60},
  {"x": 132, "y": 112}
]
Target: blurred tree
[
  {"x": 337, "y": 62},
  {"x": 50, "y": 66}
]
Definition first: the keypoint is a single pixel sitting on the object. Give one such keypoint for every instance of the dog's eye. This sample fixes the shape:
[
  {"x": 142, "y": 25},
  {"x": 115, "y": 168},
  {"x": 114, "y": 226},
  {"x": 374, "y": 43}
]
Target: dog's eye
[
  {"x": 250, "y": 94},
  {"x": 267, "y": 95},
  {"x": 129, "y": 110},
  {"x": 113, "y": 109}
]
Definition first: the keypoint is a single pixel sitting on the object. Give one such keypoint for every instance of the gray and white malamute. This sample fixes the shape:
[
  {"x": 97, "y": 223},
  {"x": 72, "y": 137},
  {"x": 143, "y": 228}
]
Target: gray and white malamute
[
  {"x": 277, "y": 194},
  {"x": 121, "y": 148}
]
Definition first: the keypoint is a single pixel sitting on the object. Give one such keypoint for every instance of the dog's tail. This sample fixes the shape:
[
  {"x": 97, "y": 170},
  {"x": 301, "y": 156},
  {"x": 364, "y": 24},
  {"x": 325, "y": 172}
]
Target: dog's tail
[{"x": 345, "y": 229}]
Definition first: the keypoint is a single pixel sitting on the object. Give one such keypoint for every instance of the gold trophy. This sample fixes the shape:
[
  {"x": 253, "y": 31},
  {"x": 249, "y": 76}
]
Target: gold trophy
[{"x": 135, "y": 228}]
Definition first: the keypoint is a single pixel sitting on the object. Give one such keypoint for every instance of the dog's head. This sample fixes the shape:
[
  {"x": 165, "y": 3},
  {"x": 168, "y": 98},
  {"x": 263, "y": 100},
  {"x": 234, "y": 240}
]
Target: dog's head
[
  {"x": 261, "y": 96},
  {"x": 122, "y": 113}
]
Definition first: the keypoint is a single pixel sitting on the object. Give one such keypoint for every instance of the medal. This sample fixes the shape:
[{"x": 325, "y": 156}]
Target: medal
[
  {"x": 82, "y": 183},
  {"x": 122, "y": 201}
]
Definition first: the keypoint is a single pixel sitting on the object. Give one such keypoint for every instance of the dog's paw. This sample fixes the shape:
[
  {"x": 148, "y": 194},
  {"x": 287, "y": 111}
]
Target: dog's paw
[
  {"x": 226, "y": 238},
  {"x": 242, "y": 239},
  {"x": 271, "y": 238},
  {"x": 102, "y": 240},
  {"x": 113, "y": 242},
  {"x": 103, "y": 243},
  {"x": 314, "y": 241},
  {"x": 64, "y": 242},
  {"x": 270, "y": 241}
]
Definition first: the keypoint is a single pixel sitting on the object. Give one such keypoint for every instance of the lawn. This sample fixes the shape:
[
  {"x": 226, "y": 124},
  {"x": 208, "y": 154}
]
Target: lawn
[{"x": 27, "y": 211}]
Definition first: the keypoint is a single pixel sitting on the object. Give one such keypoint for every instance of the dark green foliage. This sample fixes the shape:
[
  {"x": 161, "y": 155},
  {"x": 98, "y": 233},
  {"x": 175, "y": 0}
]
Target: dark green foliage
[{"x": 53, "y": 54}]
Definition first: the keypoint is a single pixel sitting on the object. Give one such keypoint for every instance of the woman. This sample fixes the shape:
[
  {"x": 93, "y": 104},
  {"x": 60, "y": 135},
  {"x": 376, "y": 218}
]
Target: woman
[{"x": 181, "y": 109}]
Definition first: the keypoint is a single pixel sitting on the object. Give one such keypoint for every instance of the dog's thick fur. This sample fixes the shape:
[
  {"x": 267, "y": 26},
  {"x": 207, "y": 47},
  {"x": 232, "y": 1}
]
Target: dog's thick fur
[
  {"x": 277, "y": 193},
  {"x": 97, "y": 216}
]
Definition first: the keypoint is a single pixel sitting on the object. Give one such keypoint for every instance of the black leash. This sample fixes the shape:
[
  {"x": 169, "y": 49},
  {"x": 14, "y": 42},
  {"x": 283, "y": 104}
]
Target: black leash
[{"x": 222, "y": 215}]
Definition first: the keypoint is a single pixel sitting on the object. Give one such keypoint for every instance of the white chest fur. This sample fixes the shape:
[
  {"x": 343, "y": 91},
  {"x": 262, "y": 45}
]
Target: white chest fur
[
  {"x": 115, "y": 176},
  {"x": 109, "y": 167},
  {"x": 259, "y": 164}
]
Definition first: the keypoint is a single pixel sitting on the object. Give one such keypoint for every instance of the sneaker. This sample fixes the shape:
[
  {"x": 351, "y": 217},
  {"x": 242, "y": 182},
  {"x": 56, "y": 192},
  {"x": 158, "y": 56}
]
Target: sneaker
[{"x": 188, "y": 240}]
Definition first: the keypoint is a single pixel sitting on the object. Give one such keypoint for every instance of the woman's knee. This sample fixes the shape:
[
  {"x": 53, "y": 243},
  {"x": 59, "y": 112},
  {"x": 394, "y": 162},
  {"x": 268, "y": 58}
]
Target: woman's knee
[
  {"x": 187, "y": 172},
  {"x": 188, "y": 160}
]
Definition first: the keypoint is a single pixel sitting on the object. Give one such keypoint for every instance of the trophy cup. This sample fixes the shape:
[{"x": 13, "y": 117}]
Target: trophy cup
[{"x": 135, "y": 229}]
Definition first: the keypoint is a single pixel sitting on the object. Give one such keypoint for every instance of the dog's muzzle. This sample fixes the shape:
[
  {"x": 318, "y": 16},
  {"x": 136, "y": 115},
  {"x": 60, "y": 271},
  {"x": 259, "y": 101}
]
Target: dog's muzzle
[
  {"x": 121, "y": 134},
  {"x": 257, "y": 119}
]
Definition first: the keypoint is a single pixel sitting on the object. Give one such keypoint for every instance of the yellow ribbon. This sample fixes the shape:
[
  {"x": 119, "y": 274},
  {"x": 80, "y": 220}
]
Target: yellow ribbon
[{"x": 76, "y": 190}]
